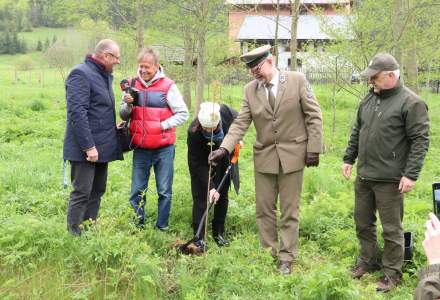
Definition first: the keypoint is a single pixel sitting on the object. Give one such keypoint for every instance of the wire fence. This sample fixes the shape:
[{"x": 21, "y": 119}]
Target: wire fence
[{"x": 227, "y": 75}]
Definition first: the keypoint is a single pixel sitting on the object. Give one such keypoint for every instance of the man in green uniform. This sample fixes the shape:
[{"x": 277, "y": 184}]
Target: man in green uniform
[{"x": 390, "y": 140}]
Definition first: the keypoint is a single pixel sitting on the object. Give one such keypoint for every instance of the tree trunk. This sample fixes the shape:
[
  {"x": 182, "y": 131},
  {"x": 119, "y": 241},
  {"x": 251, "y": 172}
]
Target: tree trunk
[
  {"x": 140, "y": 25},
  {"x": 411, "y": 54},
  {"x": 411, "y": 68},
  {"x": 200, "y": 85},
  {"x": 187, "y": 66},
  {"x": 275, "y": 43},
  {"x": 334, "y": 97},
  {"x": 201, "y": 41},
  {"x": 397, "y": 30},
  {"x": 293, "y": 35}
]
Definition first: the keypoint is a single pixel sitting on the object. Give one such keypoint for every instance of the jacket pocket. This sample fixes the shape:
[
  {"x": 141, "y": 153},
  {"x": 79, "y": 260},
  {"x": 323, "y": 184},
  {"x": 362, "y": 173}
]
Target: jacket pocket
[
  {"x": 300, "y": 139},
  {"x": 258, "y": 145}
]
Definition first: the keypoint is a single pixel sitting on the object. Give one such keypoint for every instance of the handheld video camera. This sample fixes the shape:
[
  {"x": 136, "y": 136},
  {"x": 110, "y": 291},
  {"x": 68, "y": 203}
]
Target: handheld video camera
[
  {"x": 436, "y": 198},
  {"x": 126, "y": 87}
]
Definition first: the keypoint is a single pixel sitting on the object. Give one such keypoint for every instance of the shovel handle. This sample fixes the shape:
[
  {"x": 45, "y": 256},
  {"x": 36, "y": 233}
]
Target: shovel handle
[
  {"x": 234, "y": 160},
  {"x": 205, "y": 214}
]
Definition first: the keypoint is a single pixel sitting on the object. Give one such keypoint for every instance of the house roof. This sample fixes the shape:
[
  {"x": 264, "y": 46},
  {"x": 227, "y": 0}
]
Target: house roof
[
  {"x": 256, "y": 2},
  {"x": 309, "y": 27},
  {"x": 170, "y": 54}
]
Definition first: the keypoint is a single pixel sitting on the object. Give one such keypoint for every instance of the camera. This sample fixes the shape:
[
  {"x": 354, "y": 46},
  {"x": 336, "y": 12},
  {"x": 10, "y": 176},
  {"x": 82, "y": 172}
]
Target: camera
[
  {"x": 436, "y": 198},
  {"x": 127, "y": 88}
]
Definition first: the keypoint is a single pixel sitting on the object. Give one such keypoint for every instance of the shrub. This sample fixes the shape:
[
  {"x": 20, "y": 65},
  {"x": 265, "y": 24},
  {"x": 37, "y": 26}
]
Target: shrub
[
  {"x": 24, "y": 63},
  {"x": 329, "y": 282},
  {"x": 37, "y": 105},
  {"x": 39, "y": 46}
]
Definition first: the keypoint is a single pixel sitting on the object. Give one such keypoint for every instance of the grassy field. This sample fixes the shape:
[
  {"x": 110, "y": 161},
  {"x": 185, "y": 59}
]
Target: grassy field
[
  {"x": 43, "y": 33},
  {"x": 40, "y": 260}
]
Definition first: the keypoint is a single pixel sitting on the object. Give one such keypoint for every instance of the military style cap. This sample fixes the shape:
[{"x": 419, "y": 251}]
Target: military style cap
[
  {"x": 380, "y": 62},
  {"x": 254, "y": 57}
]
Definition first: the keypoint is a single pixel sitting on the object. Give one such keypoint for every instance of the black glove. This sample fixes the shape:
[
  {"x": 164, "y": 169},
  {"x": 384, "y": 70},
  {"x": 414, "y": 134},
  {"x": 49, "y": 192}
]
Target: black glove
[
  {"x": 216, "y": 155},
  {"x": 312, "y": 159}
]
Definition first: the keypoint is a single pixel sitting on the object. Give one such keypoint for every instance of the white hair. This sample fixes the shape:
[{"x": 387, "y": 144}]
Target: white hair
[
  {"x": 395, "y": 72},
  {"x": 148, "y": 52},
  {"x": 105, "y": 45}
]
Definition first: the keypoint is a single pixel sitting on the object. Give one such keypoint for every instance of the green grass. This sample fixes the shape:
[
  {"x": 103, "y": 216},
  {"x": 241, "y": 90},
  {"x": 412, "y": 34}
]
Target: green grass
[
  {"x": 43, "y": 33},
  {"x": 39, "y": 260}
]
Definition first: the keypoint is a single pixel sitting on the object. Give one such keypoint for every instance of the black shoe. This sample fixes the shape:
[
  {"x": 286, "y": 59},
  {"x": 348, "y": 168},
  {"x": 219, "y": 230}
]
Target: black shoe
[
  {"x": 74, "y": 229},
  {"x": 221, "y": 241},
  {"x": 201, "y": 245},
  {"x": 138, "y": 222}
]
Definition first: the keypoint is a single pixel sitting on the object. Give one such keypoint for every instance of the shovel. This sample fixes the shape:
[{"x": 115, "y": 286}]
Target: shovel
[{"x": 185, "y": 247}]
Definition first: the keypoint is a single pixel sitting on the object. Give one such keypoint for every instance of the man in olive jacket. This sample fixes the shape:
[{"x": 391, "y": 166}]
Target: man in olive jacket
[
  {"x": 288, "y": 125},
  {"x": 390, "y": 140}
]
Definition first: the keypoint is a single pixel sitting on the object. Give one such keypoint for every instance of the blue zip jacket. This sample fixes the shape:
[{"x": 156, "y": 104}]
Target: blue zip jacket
[{"x": 91, "y": 116}]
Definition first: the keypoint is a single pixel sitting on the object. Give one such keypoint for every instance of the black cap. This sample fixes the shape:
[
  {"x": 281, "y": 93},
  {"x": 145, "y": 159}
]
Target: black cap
[{"x": 380, "y": 62}]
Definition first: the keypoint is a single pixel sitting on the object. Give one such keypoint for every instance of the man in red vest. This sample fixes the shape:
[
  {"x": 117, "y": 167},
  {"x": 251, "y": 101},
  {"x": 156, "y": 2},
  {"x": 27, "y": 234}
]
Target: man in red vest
[{"x": 154, "y": 116}]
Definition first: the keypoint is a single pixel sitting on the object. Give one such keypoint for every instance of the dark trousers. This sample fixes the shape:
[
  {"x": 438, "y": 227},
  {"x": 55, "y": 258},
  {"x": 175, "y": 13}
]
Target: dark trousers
[
  {"x": 89, "y": 182},
  {"x": 218, "y": 221},
  {"x": 199, "y": 191},
  {"x": 384, "y": 197}
]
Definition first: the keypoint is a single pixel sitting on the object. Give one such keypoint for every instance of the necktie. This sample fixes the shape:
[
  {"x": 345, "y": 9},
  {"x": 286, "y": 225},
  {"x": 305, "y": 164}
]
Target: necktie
[{"x": 270, "y": 94}]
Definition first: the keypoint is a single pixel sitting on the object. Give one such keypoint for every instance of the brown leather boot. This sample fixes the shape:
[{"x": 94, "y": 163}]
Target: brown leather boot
[
  {"x": 358, "y": 271},
  {"x": 285, "y": 267},
  {"x": 361, "y": 269},
  {"x": 386, "y": 283}
]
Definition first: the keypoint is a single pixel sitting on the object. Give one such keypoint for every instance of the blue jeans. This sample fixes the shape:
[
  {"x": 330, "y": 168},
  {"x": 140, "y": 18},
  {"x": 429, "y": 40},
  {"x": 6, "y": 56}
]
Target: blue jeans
[{"x": 162, "y": 160}]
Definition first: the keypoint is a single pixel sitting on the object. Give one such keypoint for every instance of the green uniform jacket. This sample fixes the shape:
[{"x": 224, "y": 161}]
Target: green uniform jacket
[
  {"x": 390, "y": 136},
  {"x": 429, "y": 284}
]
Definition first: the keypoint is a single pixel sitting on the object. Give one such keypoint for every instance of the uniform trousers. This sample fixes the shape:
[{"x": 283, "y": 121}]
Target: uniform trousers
[
  {"x": 267, "y": 188},
  {"x": 386, "y": 199}
]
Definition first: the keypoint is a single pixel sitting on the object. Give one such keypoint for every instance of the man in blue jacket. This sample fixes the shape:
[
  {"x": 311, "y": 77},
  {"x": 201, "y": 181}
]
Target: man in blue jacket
[{"x": 90, "y": 140}]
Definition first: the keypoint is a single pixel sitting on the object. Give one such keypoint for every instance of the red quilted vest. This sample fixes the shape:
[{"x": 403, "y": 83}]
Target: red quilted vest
[{"x": 151, "y": 110}]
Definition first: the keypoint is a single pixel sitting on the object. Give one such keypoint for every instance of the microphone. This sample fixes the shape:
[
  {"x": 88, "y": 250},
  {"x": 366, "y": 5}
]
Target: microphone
[{"x": 125, "y": 86}]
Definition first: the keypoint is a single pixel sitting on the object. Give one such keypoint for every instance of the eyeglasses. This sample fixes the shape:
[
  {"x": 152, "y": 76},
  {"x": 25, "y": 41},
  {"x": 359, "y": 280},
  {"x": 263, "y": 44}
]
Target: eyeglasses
[
  {"x": 114, "y": 56},
  {"x": 257, "y": 68}
]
